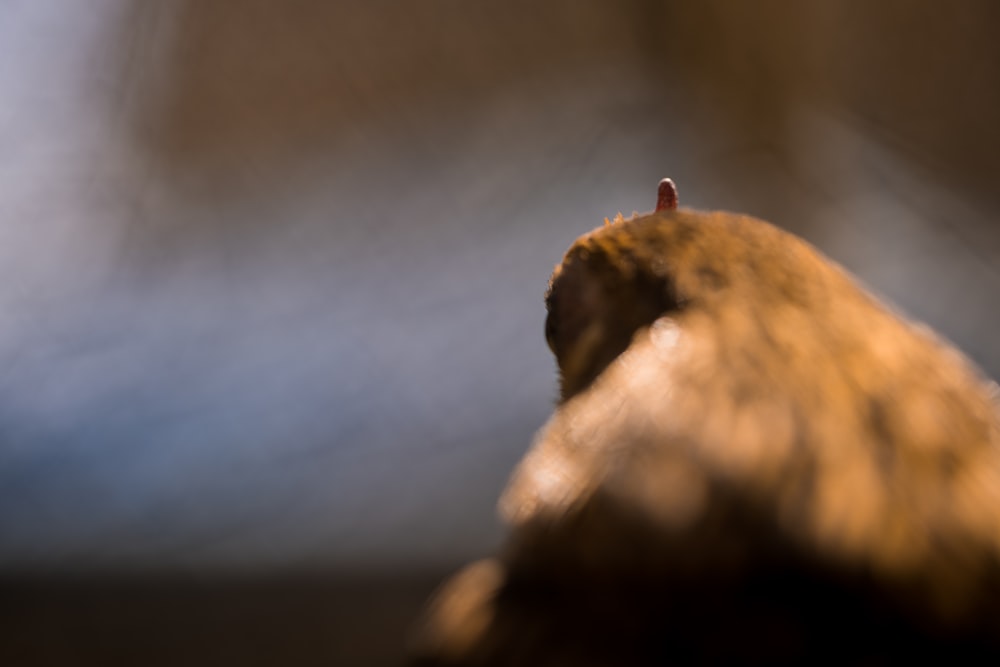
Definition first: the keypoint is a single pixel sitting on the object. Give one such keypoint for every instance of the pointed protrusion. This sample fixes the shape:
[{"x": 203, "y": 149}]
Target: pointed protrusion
[{"x": 666, "y": 195}]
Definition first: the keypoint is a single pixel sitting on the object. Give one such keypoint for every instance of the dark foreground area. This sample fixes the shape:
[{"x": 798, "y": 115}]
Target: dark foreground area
[{"x": 170, "y": 620}]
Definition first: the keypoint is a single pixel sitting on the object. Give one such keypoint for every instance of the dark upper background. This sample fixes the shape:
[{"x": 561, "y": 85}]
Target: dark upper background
[{"x": 271, "y": 273}]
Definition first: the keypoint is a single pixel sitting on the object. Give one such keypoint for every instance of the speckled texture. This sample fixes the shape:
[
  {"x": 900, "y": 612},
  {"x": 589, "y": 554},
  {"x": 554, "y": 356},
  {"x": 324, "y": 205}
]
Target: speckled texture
[{"x": 765, "y": 420}]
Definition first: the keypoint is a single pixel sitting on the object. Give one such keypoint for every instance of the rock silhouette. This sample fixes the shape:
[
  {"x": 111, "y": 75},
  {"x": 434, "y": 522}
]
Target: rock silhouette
[{"x": 753, "y": 461}]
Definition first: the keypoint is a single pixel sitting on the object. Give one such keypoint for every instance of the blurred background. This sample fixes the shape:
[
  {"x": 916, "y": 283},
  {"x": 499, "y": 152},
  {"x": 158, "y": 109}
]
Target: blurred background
[{"x": 271, "y": 273}]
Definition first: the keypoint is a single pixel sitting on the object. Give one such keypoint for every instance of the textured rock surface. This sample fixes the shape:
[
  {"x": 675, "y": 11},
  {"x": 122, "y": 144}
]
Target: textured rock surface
[{"x": 754, "y": 461}]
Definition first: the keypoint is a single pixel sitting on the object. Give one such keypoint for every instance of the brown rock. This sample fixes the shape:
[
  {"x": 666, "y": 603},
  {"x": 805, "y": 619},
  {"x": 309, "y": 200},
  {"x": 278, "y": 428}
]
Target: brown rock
[{"x": 754, "y": 461}]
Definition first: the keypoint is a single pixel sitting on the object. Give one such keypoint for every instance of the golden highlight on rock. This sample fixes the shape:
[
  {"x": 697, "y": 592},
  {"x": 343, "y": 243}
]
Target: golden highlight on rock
[{"x": 753, "y": 460}]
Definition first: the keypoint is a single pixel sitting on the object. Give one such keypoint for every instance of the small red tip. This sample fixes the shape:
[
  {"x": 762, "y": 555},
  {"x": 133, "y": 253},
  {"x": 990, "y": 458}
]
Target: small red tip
[{"x": 666, "y": 195}]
